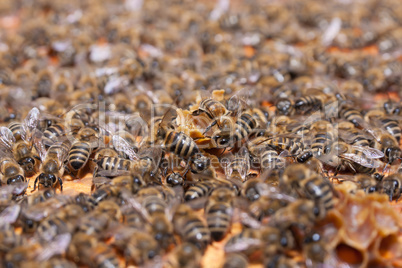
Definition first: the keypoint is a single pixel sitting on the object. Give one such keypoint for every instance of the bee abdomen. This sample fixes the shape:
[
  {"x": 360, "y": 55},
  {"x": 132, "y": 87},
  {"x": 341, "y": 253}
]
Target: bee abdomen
[
  {"x": 79, "y": 155},
  {"x": 218, "y": 221}
]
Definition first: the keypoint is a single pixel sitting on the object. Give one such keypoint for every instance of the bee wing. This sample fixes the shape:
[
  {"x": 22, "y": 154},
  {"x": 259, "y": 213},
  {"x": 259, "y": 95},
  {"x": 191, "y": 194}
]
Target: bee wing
[
  {"x": 38, "y": 144},
  {"x": 137, "y": 126},
  {"x": 9, "y": 215},
  {"x": 369, "y": 152},
  {"x": 57, "y": 246},
  {"x": 6, "y": 138},
  {"x": 154, "y": 153},
  {"x": 122, "y": 145},
  {"x": 240, "y": 244},
  {"x": 112, "y": 173},
  {"x": 225, "y": 163},
  {"x": 30, "y": 123},
  {"x": 361, "y": 160}
]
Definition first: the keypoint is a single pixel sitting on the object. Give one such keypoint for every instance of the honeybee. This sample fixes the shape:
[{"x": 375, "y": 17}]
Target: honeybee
[
  {"x": 309, "y": 184},
  {"x": 302, "y": 213},
  {"x": 243, "y": 127},
  {"x": 379, "y": 119},
  {"x": 284, "y": 106},
  {"x": 191, "y": 227},
  {"x": 351, "y": 114},
  {"x": 250, "y": 240},
  {"x": 52, "y": 167},
  {"x": 309, "y": 103},
  {"x": 218, "y": 212},
  {"x": 103, "y": 216},
  {"x": 323, "y": 135},
  {"x": 61, "y": 222},
  {"x": 34, "y": 253},
  {"x": 185, "y": 255},
  {"x": 85, "y": 249},
  {"x": 139, "y": 247},
  {"x": 43, "y": 84},
  {"x": 39, "y": 197},
  {"x": 157, "y": 209},
  {"x": 363, "y": 181},
  {"x": 18, "y": 140},
  {"x": 175, "y": 142},
  {"x": 392, "y": 186},
  {"x": 82, "y": 148},
  {"x": 10, "y": 171},
  {"x": 387, "y": 144},
  {"x": 53, "y": 133},
  {"x": 358, "y": 159},
  {"x": 213, "y": 109},
  {"x": 9, "y": 239}
]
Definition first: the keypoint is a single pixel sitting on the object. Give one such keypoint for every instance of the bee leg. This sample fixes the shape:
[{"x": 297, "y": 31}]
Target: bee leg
[
  {"x": 210, "y": 126},
  {"x": 36, "y": 181},
  {"x": 71, "y": 173},
  {"x": 61, "y": 184},
  {"x": 36, "y": 157}
]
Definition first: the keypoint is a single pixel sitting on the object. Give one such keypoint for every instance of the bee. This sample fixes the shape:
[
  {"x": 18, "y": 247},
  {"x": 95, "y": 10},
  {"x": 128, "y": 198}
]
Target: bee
[
  {"x": 378, "y": 118},
  {"x": 309, "y": 103},
  {"x": 139, "y": 247},
  {"x": 43, "y": 84},
  {"x": 38, "y": 197},
  {"x": 175, "y": 142},
  {"x": 18, "y": 140},
  {"x": 218, "y": 212},
  {"x": 104, "y": 214},
  {"x": 10, "y": 171},
  {"x": 392, "y": 186},
  {"x": 249, "y": 240},
  {"x": 363, "y": 181},
  {"x": 33, "y": 253},
  {"x": 351, "y": 114},
  {"x": 213, "y": 109},
  {"x": 388, "y": 145},
  {"x": 85, "y": 249},
  {"x": 157, "y": 208},
  {"x": 235, "y": 260},
  {"x": 191, "y": 227},
  {"x": 243, "y": 127},
  {"x": 185, "y": 255},
  {"x": 52, "y": 167},
  {"x": 323, "y": 135},
  {"x": 53, "y": 133},
  {"x": 9, "y": 239},
  {"x": 61, "y": 222},
  {"x": 302, "y": 213},
  {"x": 82, "y": 148},
  {"x": 309, "y": 184},
  {"x": 284, "y": 106},
  {"x": 199, "y": 189}
]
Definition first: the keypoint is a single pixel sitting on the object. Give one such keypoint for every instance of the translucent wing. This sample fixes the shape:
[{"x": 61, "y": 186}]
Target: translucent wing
[
  {"x": 9, "y": 215},
  {"x": 30, "y": 123},
  {"x": 121, "y": 145},
  {"x": 369, "y": 152},
  {"x": 57, "y": 246},
  {"x": 154, "y": 153},
  {"x": 137, "y": 126},
  {"x": 38, "y": 144},
  {"x": 6, "y": 138},
  {"x": 361, "y": 160}
]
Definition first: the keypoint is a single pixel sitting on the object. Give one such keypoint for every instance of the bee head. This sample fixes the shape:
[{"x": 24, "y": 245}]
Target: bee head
[
  {"x": 47, "y": 180},
  {"x": 16, "y": 179}
]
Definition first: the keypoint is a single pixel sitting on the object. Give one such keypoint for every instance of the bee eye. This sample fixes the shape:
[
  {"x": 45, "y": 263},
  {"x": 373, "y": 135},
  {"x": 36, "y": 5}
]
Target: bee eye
[{"x": 53, "y": 178}]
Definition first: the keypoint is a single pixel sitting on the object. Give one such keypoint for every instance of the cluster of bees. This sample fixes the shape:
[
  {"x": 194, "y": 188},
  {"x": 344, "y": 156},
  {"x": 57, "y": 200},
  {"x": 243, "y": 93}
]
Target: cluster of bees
[{"x": 190, "y": 117}]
